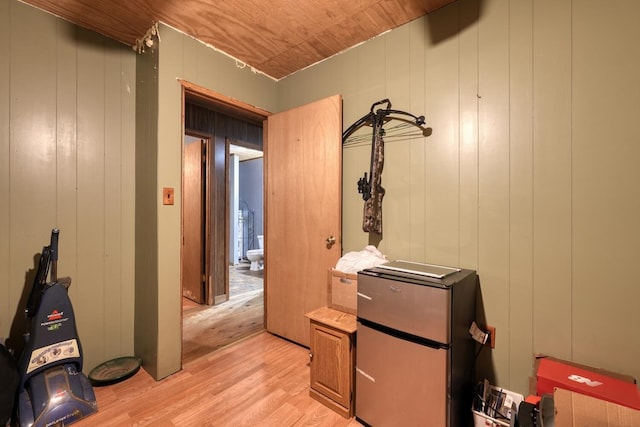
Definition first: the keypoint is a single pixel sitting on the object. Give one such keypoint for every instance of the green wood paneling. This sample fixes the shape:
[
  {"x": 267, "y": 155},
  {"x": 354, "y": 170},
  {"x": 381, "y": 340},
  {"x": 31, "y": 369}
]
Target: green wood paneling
[
  {"x": 348, "y": 85},
  {"x": 32, "y": 140},
  {"x": 416, "y": 205},
  {"x": 529, "y": 176},
  {"x": 190, "y": 58},
  {"x": 206, "y": 65},
  {"x": 396, "y": 60},
  {"x": 162, "y": 312},
  {"x": 520, "y": 193},
  {"x": 329, "y": 78},
  {"x": 371, "y": 73},
  {"x": 66, "y": 151},
  {"x": 62, "y": 136},
  {"x": 493, "y": 174},
  {"x": 605, "y": 190},
  {"x": 552, "y": 177},
  {"x": 442, "y": 149},
  {"x": 146, "y": 207},
  {"x": 113, "y": 201},
  {"x": 301, "y": 88},
  {"x": 32, "y": 143},
  {"x": 128, "y": 200},
  {"x": 169, "y": 160},
  {"x": 6, "y": 302},
  {"x": 91, "y": 191},
  {"x": 469, "y": 102},
  {"x": 532, "y": 106}
]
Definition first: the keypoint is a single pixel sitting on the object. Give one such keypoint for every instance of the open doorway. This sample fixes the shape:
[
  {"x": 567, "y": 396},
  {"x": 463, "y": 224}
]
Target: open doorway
[
  {"x": 234, "y": 304},
  {"x": 246, "y": 228}
]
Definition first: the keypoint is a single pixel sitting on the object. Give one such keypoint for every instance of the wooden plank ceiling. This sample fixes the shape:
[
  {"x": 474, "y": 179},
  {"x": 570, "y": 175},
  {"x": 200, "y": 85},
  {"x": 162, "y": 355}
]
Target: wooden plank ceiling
[{"x": 276, "y": 37}]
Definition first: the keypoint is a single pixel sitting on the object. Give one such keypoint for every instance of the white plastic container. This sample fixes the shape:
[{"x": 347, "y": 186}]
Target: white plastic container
[{"x": 483, "y": 420}]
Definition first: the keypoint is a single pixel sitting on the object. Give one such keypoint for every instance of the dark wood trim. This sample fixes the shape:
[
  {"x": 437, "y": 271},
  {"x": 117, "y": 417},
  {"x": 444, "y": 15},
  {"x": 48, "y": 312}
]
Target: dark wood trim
[
  {"x": 223, "y": 103},
  {"x": 227, "y": 219}
]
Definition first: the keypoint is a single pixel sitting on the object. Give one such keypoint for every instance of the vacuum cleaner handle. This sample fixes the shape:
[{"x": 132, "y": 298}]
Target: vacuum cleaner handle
[
  {"x": 48, "y": 259},
  {"x": 54, "y": 244},
  {"x": 55, "y": 233}
]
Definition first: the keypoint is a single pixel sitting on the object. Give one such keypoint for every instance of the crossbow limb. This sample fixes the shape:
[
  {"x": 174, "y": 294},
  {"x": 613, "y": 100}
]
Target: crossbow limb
[{"x": 410, "y": 125}]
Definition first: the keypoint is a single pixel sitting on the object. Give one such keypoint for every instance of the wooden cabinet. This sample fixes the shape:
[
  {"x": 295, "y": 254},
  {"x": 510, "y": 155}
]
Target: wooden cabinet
[{"x": 332, "y": 358}]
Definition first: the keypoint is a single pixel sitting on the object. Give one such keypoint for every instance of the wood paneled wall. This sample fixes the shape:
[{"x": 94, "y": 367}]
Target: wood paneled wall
[
  {"x": 530, "y": 173},
  {"x": 211, "y": 122},
  {"x": 67, "y": 132},
  {"x": 181, "y": 57},
  {"x": 529, "y": 176}
]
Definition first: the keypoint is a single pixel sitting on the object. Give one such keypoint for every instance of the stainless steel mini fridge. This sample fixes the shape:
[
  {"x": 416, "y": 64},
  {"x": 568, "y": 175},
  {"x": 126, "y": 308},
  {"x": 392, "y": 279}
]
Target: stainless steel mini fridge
[{"x": 415, "y": 356}]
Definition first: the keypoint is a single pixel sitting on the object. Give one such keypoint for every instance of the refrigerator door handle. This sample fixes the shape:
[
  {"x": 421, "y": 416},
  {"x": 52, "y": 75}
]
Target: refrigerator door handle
[
  {"x": 364, "y": 374},
  {"x": 365, "y": 296}
]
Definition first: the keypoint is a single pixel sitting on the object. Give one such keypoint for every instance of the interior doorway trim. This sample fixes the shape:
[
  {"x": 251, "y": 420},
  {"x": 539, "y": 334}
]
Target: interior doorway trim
[
  {"x": 234, "y": 108},
  {"x": 225, "y": 103}
]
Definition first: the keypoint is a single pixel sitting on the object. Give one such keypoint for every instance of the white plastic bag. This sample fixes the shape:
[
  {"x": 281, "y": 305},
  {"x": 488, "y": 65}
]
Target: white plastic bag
[{"x": 352, "y": 262}]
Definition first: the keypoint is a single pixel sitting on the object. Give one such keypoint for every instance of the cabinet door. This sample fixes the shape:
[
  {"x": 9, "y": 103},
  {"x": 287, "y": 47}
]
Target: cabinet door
[{"x": 330, "y": 363}]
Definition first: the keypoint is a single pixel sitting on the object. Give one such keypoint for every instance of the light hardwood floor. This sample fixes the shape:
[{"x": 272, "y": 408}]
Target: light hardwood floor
[
  {"x": 262, "y": 380},
  {"x": 234, "y": 374},
  {"x": 209, "y": 328}
]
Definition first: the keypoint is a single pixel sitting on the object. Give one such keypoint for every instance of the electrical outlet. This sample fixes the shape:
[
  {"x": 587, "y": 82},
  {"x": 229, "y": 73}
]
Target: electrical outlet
[{"x": 492, "y": 336}]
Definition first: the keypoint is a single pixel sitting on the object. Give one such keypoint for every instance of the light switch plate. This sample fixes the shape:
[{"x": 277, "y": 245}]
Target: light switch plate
[{"x": 167, "y": 196}]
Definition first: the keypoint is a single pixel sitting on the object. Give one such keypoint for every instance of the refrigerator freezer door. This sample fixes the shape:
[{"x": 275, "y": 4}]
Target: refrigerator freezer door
[
  {"x": 424, "y": 311},
  {"x": 398, "y": 382}
]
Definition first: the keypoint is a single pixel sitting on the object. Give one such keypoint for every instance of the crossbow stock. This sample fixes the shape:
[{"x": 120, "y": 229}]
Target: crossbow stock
[{"x": 389, "y": 124}]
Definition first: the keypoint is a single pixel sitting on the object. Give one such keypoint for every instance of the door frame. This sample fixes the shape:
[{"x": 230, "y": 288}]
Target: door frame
[
  {"x": 244, "y": 111},
  {"x": 228, "y": 143}
]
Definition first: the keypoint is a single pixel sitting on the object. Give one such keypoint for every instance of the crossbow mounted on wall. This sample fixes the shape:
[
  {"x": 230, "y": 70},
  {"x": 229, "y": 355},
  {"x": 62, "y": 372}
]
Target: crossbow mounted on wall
[{"x": 387, "y": 124}]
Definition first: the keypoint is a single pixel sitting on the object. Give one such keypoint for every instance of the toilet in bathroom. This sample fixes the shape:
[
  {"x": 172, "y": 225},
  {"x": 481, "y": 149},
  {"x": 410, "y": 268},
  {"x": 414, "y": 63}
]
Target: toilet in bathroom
[{"x": 256, "y": 256}]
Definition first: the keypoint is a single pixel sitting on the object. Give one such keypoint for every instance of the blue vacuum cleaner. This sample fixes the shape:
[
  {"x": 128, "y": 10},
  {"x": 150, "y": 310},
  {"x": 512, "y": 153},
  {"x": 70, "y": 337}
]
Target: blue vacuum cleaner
[{"x": 52, "y": 388}]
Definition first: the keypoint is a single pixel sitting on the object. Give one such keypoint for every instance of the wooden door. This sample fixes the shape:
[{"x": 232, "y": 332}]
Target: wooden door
[
  {"x": 303, "y": 193},
  {"x": 218, "y": 288},
  {"x": 192, "y": 270}
]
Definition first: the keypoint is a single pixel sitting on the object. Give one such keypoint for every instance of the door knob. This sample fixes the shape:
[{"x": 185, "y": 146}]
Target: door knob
[{"x": 330, "y": 240}]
